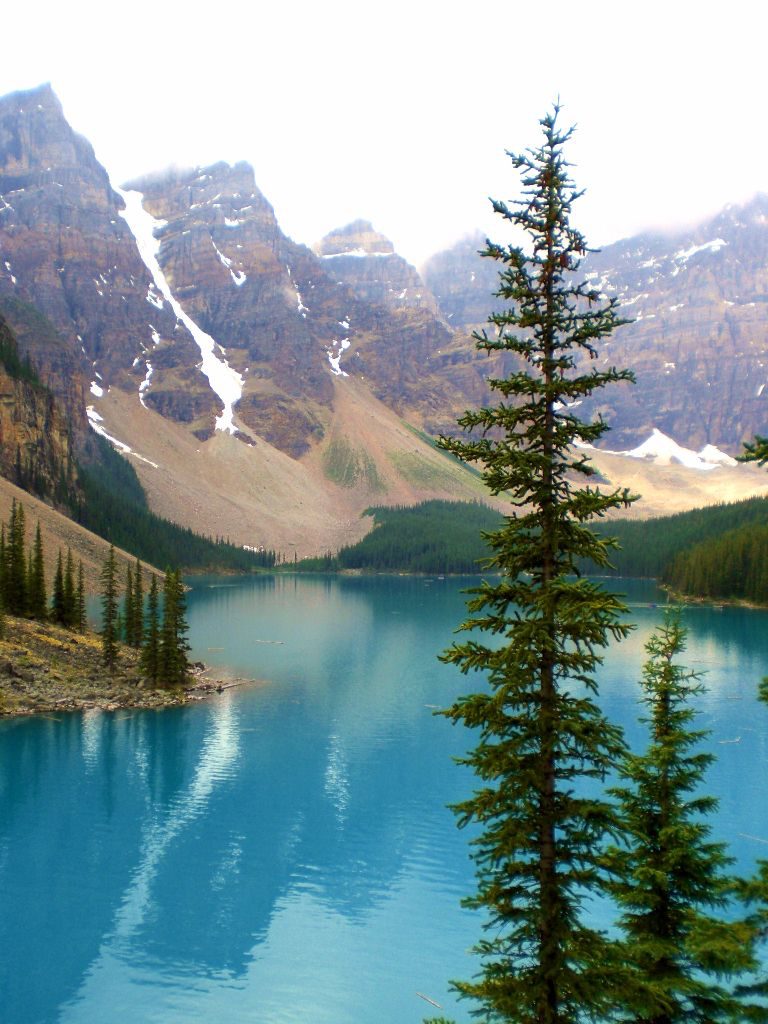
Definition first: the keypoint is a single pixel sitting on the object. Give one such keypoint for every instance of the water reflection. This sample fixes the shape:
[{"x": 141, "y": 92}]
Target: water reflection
[{"x": 282, "y": 852}]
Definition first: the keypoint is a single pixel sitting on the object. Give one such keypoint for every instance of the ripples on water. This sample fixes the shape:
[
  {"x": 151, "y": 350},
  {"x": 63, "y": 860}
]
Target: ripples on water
[{"x": 283, "y": 853}]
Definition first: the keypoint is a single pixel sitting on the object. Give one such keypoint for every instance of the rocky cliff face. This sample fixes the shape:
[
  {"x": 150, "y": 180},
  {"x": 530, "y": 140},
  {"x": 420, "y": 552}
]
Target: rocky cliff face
[
  {"x": 290, "y": 320},
  {"x": 35, "y": 435},
  {"x": 463, "y": 283},
  {"x": 66, "y": 251},
  {"x": 699, "y": 341},
  {"x": 180, "y": 299},
  {"x": 251, "y": 289},
  {"x": 366, "y": 261}
]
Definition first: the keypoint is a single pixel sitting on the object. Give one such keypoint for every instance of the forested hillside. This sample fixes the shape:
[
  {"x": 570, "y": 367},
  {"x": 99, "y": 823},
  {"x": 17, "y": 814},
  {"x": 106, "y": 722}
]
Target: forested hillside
[
  {"x": 433, "y": 537},
  {"x": 114, "y": 506},
  {"x": 648, "y": 547}
]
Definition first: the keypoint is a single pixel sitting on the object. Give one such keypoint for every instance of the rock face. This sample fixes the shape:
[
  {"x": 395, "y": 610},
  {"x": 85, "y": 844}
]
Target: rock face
[
  {"x": 249, "y": 287},
  {"x": 288, "y": 319},
  {"x": 180, "y": 299},
  {"x": 463, "y": 283},
  {"x": 366, "y": 261},
  {"x": 65, "y": 250},
  {"x": 36, "y": 450},
  {"x": 699, "y": 341}
]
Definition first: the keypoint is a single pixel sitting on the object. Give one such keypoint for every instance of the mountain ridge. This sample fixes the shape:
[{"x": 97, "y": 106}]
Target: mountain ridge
[{"x": 340, "y": 364}]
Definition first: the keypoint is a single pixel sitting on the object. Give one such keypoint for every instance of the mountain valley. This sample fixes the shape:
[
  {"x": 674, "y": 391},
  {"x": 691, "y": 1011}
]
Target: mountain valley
[{"x": 268, "y": 393}]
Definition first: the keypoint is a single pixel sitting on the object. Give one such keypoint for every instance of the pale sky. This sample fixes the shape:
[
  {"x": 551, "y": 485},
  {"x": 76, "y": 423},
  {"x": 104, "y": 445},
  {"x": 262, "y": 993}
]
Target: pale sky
[{"x": 400, "y": 112}]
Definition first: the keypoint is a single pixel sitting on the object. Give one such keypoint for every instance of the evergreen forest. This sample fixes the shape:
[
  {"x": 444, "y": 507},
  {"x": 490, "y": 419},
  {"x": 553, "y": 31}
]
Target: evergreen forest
[
  {"x": 717, "y": 552},
  {"x": 433, "y": 537}
]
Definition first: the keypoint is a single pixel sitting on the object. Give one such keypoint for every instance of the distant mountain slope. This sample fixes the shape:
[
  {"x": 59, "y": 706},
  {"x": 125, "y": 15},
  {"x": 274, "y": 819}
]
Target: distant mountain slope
[
  {"x": 65, "y": 249},
  {"x": 699, "y": 341},
  {"x": 59, "y": 532},
  {"x": 270, "y": 393}
]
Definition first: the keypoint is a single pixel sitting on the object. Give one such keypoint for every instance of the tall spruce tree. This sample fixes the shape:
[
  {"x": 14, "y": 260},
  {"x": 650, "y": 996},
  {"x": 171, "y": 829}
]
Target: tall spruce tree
[
  {"x": 672, "y": 882},
  {"x": 173, "y": 661},
  {"x": 37, "y": 597},
  {"x": 16, "y": 562},
  {"x": 109, "y": 609},
  {"x": 137, "y": 617},
  {"x": 543, "y": 742},
  {"x": 58, "y": 611},
  {"x": 128, "y": 615},
  {"x": 70, "y": 610},
  {"x": 81, "y": 616},
  {"x": 150, "y": 651}
]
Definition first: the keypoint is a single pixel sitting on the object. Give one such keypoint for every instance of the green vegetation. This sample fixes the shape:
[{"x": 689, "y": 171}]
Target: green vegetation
[
  {"x": 16, "y": 367},
  {"x": 22, "y": 577},
  {"x": 433, "y": 537},
  {"x": 420, "y": 472},
  {"x": 671, "y": 880},
  {"x": 162, "y": 641},
  {"x": 720, "y": 552},
  {"x": 648, "y": 547},
  {"x": 733, "y": 566},
  {"x": 102, "y": 491},
  {"x": 433, "y": 443},
  {"x": 349, "y": 466},
  {"x": 542, "y": 739},
  {"x": 110, "y": 631}
]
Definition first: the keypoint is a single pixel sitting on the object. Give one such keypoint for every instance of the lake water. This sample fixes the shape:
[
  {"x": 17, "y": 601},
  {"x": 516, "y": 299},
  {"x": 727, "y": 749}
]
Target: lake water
[{"x": 283, "y": 852}]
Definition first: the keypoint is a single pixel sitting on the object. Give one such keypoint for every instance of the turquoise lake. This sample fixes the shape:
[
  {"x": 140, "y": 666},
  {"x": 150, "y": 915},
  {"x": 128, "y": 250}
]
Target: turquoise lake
[{"x": 282, "y": 852}]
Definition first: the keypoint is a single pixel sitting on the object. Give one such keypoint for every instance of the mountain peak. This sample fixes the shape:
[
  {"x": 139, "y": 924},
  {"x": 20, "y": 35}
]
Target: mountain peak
[
  {"x": 356, "y": 239},
  {"x": 36, "y": 140}
]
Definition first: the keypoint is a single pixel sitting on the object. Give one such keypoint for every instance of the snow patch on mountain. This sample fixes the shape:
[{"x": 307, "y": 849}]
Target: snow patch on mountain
[
  {"x": 96, "y": 420},
  {"x": 685, "y": 254},
  {"x": 225, "y": 382},
  {"x": 335, "y": 353},
  {"x": 663, "y": 451},
  {"x": 359, "y": 253}
]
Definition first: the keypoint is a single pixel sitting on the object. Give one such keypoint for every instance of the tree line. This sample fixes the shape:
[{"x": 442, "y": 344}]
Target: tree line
[
  {"x": 157, "y": 628},
  {"x": 112, "y": 504},
  {"x": 23, "y": 589},
  {"x": 101, "y": 490},
  {"x": 649, "y": 547},
  {"x": 432, "y": 537}
]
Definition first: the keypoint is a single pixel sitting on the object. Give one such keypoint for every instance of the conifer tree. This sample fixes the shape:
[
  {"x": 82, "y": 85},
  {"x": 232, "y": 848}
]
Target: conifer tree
[
  {"x": 542, "y": 738},
  {"x": 38, "y": 600},
  {"x": 81, "y": 617},
  {"x": 16, "y": 562},
  {"x": 109, "y": 609},
  {"x": 672, "y": 881},
  {"x": 137, "y": 619},
  {"x": 755, "y": 451},
  {"x": 150, "y": 652},
  {"x": 58, "y": 611},
  {"x": 70, "y": 612},
  {"x": 128, "y": 616},
  {"x": 173, "y": 662},
  {"x": 3, "y": 565}
]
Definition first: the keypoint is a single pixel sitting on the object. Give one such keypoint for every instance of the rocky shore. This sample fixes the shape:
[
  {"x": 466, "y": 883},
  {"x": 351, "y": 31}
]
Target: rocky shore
[{"x": 45, "y": 668}]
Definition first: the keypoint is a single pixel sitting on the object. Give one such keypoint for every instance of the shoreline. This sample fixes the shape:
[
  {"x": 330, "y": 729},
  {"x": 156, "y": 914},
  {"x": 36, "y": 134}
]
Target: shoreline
[{"x": 46, "y": 669}]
